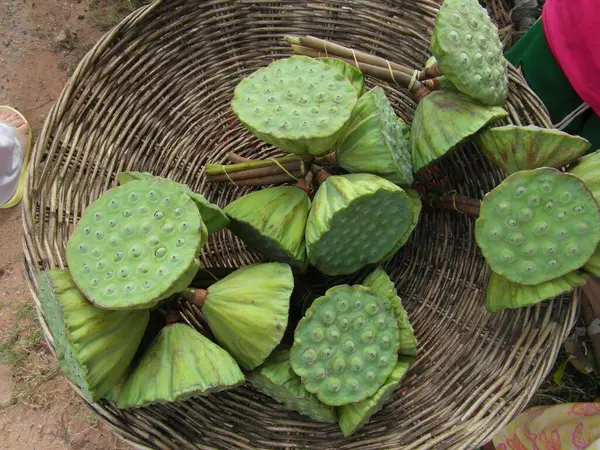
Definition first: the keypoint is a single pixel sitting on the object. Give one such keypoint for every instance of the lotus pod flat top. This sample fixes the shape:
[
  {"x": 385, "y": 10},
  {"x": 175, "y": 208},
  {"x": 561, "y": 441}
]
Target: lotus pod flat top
[
  {"x": 538, "y": 225},
  {"x": 587, "y": 169},
  {"x": 273, "y": 222},
  {"x": 247, "y": 311},
  {"x": 515, "y": 148},
  {"x": 353, "y": 416},
  {"x": 298, "y": 104},
  {"x": 354, "y": 75},
  {"x": 94, "y": 346},
  {"x": 134, "y": 243},
  {"x": 180, "y": 363},
  {"x": 469, "y": 52},
  {"x": 443, "y": 119},
  {"x": 276, "y": 379},
  {"x": 213, "y": 217},
  {"x": 380, "y": 283},
  {"x": 356, "y": 220},
  {"x": 376, "y": 141},
  {"x": 346, "y": 345},
  {"x": 502, "y": 293}
]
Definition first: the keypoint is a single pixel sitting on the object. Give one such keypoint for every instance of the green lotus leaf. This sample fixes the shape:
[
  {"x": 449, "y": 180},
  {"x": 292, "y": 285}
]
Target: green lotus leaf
[
  {"x": 443, "y": 120},
  {"x": 469, "y": 52},
  {"x": 514, "y": 148},
  {"x": 502, "y": 293},
  {"x": 353, "y": 416},
  {"x": 354, "y": 75},
  {"x": 376, "y": 141},
  {"x": 94, "y": 346},
  {"x": 212, "y": 216},
  {"x": 273, "y": 222},
  {"x": 179, "y": 364},
  {"x": 538, "y": 225},
  {"x": 247, "y": 311}
]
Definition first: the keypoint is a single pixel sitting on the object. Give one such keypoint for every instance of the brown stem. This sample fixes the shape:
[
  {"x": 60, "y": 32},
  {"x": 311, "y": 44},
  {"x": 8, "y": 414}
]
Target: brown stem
[
  {"x": 320, "y": 173},
  {"x": 234, "y": 158},
  {"x": 306, "y": 183},
  {"x": 455, "y": 202},
  {"x": 590, "y": 309},
  {"x": 173, "y": 317},
  {"x": 195, "y": 296},
  {"x": 257, "y": 173},
  {"x": 432, "y": 71},
  {"x": 273, "y": 179}
]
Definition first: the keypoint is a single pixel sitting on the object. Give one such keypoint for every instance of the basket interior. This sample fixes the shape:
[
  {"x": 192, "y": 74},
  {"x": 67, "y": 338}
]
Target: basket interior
[{"x": 154, "y": 95}]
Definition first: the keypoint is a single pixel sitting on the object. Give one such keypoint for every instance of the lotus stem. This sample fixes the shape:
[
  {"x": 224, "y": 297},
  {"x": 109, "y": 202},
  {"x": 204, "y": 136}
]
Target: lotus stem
[
  {"x": 225, "y": 175},
  {"x": 195, "y": 296},
  {"x": 455, "y": 202},
  {"x": 306, "y": 183},
  {"x": 173, "y": 317},
  {"x": 273, "y": 179},
  {"x": 234, "y": 158},
  {"x": 320, "y": 173},
  {"x": 219, "y": 169}
]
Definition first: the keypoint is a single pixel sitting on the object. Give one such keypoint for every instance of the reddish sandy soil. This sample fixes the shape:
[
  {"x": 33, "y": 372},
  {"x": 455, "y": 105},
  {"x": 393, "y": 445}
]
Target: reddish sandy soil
[{"x": 41, "y": 42}]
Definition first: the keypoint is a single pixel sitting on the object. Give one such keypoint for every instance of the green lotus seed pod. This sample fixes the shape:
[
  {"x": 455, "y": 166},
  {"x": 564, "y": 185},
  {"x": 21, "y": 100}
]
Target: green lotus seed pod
[
  {"x": 346, "y": 345},
  {"x": 247, "y": 311},
  {"x": 346, "y": 229},
  {"x": 353, "y": 416},
  {"x": 179, "y": 364},
  {"x": 273, "y": 222},
  {"x": 443, "y": 120},
  {"x": 538, "y": 225},
  {"x": 276, "y": 379},
  {"x": 416, "y": 204},
  {"x": 135, "y": 245},
  {"x": 587, "y": 169},
  {"x": 469, "y": 52},
  {"x": 514, "y": 148},
  {"x": 298, "y": 104},
  {"x": 376, "y": 141},
  {"x": 502, "y": 294},
  {"x": 94, "y": 346},
  {"x": 212, "y": 216},
  {"x": 592, "y": 266},
  {"x": 354, "y": 75},
  {"x": 379, "y": 282}
]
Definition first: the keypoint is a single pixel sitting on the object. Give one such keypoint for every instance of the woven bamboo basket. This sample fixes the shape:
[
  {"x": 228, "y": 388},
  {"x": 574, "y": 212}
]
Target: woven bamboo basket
[{"x": 154, "y": 94}]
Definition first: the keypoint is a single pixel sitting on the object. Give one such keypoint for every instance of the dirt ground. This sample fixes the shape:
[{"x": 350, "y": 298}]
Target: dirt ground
[{"x": 41, "y": 42}]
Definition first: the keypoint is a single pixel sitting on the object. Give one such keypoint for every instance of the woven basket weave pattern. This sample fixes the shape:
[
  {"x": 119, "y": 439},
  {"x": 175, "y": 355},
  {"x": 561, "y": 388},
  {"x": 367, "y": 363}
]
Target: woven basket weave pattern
[{"x": 154, "y": 95}]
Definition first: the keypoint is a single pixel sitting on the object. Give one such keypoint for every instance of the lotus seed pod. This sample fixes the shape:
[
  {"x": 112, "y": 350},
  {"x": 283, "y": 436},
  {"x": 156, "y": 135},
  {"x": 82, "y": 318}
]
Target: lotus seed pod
[
  {"x": 379, "y": 282},
  {"x": 502, "y": 294},
  {"x": 94, "y": 346},
  {"x": 179, "y": 364},
  {"x": 346, "y": 345},
  {"x": 376, "y": 141},
  {"x": 415, "y": 201},
  {"x": 514, "y": 148},
  {"x": 298, "y": 104},
  {"x": 353, "y": 416},
  {"x": 443, "y": 120},
  {"x": 273, "y": 222},
  {"x": 135, "y": 245},
  {"x": 354, "y": 75},
  {"x": 592, "y": 266},
  {"x": 538, "y": 225},
  {"x": 247, "y": 311},
  {"x": 276, "y": 379},
  {"x": 212, "y": 216},
  {"x": 357, "y": 220},
  {"x": 469, "y": 52},
  {"x": 587, "y": 169}
]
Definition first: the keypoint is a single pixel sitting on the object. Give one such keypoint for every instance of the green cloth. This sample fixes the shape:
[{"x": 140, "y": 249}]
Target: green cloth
[{"x": 545, "y": 77}]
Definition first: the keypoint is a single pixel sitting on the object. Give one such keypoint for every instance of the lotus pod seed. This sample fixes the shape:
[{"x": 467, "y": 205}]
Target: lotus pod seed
[
  {"x": 548, "y": 221},
  {"x": 352, "y": 356}
]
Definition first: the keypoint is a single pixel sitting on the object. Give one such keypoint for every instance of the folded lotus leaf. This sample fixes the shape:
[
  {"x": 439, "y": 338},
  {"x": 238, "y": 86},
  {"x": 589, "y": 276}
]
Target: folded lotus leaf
[
  {"x": 272, "y": 221},
  {"x": 353, "y": 416},
  {"x": 380, "y": 283},
  {"x": 514, "y": 148},
  {"x": 94, "y": 346},
  {"x": 355, "y": 76},
  {"x": 345, "y": 230},
  {"x": 276, "y": 379},
  {"x": 469, "y": 52},
  {"x": 136, "y": 245},
  {"x": 298, "y": 104},
  {"x": 538, "y": 225},
  {"x": 346, "y": 345},
  {"x": 212, "y": 216},
  {"x": 247, "y": 311},
  {"x": 502, "y": 293},
  {"x": 376, "y": 141},
  {"x": 179, "y": 364},
  {"x": 443, "y": 120}
]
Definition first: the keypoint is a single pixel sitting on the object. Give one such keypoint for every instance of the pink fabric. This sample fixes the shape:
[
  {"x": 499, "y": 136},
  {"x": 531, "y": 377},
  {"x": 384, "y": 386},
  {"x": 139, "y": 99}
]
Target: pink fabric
[{"x": 572, "y": 29}]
